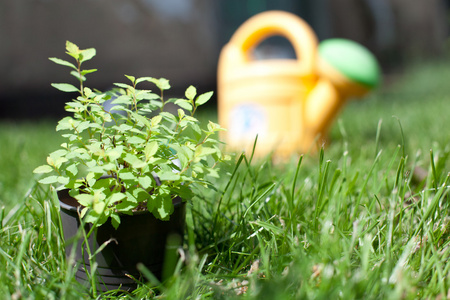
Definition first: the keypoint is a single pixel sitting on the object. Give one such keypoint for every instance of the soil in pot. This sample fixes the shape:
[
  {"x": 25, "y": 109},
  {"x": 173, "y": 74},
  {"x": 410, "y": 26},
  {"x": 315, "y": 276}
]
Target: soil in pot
[{"x": 140, "y": 238}]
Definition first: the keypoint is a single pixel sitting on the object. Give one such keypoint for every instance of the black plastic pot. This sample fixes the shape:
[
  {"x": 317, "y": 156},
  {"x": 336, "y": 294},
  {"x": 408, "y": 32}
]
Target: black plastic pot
[{"x": 140, "y": 238}]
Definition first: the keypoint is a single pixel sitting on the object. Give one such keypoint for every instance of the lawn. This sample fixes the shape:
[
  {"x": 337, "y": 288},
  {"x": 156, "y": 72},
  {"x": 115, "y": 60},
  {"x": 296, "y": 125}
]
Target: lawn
[{"x": 367, "y": 217}]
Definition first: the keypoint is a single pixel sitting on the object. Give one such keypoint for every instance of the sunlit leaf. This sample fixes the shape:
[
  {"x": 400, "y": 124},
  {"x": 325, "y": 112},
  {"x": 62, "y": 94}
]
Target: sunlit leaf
[
  {"x": 184, "y": 104},
  {"x": 65, "y": 87},
  {"x": 168, "y": 176},
  {"x": 84, "y": 72},
  {"x": 87, "y": 54},
  {"x": 85, "y": 199},
  {"x": 49, "y": 180},
  {"x": 131, "y": 78},
  {"x": 145, "y": 182},
  {"x": 43, "y": 169},
  {"x": 62, "y": 62},
  {"x": 203, "y": 98},
  {"x": 190, "y": 93},
  {"x": 134, "y": 161},
  {"x": 116, "y": 197},
  {"x": 150, "y": 149}
]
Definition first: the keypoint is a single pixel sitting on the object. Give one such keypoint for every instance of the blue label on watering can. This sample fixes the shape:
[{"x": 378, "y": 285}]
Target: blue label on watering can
[{"x": 247, "y": 121}]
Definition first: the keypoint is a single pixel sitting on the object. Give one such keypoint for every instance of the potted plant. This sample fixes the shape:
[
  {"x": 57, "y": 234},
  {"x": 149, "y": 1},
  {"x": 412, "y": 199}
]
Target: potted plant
[{"x": 136, "y": 162}]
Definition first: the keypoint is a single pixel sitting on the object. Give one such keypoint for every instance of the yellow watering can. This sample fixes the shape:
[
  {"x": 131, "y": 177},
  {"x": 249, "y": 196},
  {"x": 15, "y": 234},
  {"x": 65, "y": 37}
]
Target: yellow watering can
[{"x": 288, "y": 103}]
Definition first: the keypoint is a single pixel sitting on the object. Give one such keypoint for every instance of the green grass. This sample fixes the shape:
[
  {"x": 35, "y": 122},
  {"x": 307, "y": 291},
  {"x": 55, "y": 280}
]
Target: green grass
[
  {"x": 356, "y": 220},
  {"x": 23, "y": 146}
]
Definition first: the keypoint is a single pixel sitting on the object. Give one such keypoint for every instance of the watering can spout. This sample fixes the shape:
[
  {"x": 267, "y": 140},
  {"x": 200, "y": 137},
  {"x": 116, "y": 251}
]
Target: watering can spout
[
  {"x": 346, "y": 70},
  {"x": 352, "y": 69}
]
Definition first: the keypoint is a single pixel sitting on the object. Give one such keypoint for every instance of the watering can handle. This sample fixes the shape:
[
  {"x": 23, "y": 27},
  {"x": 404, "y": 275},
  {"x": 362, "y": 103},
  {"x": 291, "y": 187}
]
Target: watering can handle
[{"x": 270, "y": 23}]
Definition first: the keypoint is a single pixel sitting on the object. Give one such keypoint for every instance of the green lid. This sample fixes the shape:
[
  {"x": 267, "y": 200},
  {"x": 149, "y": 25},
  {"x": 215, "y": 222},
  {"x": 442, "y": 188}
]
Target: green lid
[{"x": 351, "y": 59}]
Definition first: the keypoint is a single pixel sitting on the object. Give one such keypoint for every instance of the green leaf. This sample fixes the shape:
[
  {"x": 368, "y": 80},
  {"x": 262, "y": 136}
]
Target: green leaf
[
  {"x": 84, "y": 211},
  {"x": 145, "y": 182},
  {"x": 124, "y": 99},
  {"x": 62, "y": 62},
  {"x": 185, "y": 192},
  {"x": 146, "y": 95},
  {"x": 165, "y": 208},
  {"x": 115, "y": 220},
  {"x": 87, "y": 91},
  {"x": 72, "y": 48},
  {"x": 125, "y": 174},
  {"x": 169, "y": 176},
  {"x": 212, "y": 173},
  {"x": 97, "y": 170},
  {"x": 43, "y": 169},
  {"x": 63, "y": 180},
  {"x": 77, "y": 76},
  {"x": 140, "y": 194},
  {"x": 90, "y": 177},
  {"x": 75, "y": 107},
  {"x": 114, "y": 153},
  {"x": 134, "y": 161},
  {"x": 141, "y": 119},
  {"x": 184, "y": 154},
  {"x": 126, "y": 206},
  {"x": 197, "y": 131},
  {"x": 55, "y": 159},
  {"x": 150, "y": 149},
  {"x": 156, "y": 120},
  {"x": 99, "y": 207},
  {"x": 72, "y": 169},
  {"x": 184, "y": 104},
  {"x": 124, "y": 86},
  {"x": 164, "y": 84},
  {"x": 181, "y": 114},
  {"x": 168, "y": 116},
  {"x": 201, "y": 151},
  {"x": 151, "y": 203},
  {"x": 65, "y": 87},
  {"x": 131, "y": 78},
  {"x": 149, "y": 79},
  {"x": 95, "y": 218},
  {"x": 203, "y": 98},
  {"x": 49, "y": 180},
  {"x": 116, "y": 197},
  {"x": 85, "y": 199},
  {"x": 161, "y": 83},
  {"x": 190, "y": 93},
  {"x": 65, "y": 123},
  {"x": 87, "y": 54},
  {"x": 83, "y": 126},
  {"x": 135, "y": 140},
  {"x": 110, "y": 167},
  {"x": 214, "y": 127},
  {"x": 84, "y": 72}
]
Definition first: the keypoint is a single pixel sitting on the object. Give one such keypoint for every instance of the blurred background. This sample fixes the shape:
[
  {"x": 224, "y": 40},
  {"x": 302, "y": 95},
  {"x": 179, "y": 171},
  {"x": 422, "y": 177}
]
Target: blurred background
[{"x": 181, "y": 39}]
